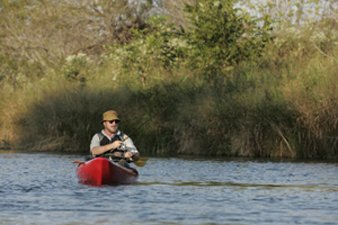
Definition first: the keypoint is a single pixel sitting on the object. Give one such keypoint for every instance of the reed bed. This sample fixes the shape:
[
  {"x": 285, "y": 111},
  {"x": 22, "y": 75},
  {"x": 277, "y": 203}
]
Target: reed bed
[{"x": 282, "y": 104}]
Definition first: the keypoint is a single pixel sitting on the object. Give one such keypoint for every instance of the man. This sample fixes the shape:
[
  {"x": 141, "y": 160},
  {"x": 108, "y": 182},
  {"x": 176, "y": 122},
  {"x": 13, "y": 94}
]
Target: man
[{"x": 111, "y": 142}]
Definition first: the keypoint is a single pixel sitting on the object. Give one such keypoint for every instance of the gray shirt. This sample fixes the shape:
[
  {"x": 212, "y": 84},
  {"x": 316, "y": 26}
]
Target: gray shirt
[{"x": 127, "y": 143}]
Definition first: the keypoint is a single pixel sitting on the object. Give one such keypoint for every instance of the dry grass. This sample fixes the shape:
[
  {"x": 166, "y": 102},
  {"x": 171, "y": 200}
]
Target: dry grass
[{"x": 284, "y": 105}]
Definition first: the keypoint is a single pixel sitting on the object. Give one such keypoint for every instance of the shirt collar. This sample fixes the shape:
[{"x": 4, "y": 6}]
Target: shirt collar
[{"x": 118, "y": 133}]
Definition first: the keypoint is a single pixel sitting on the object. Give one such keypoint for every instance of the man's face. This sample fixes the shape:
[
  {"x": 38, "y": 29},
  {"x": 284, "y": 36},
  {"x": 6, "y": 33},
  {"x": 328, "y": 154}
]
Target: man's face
[{"x": 111, "y": 126}]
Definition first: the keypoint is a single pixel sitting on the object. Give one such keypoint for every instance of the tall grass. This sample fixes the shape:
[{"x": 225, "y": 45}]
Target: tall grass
[
  {"x": 283, "y": 104},
  {"x": 251, "y": 116}
]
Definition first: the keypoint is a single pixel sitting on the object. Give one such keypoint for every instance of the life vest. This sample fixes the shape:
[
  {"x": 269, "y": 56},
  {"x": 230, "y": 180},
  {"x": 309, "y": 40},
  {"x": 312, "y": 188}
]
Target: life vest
[{"x": 104, "y": 141}]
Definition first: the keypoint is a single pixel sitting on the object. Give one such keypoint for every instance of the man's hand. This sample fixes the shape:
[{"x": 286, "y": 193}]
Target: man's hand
[
  {"x": 116, "y": 144},
  {"x": 128, "y": 155}
]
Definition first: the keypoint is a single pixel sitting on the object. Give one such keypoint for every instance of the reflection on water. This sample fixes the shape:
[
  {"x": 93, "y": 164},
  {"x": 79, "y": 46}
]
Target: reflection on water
[
  {"x": 43, "y": 189},
  {"x": 241, "y": 185}
]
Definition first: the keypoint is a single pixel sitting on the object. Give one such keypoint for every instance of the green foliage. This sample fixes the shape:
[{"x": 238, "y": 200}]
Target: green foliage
[
  {"x": 66, "y": 62},
  {"x": 158, "y": 46},
  {"x": 44, "y": 33},
  {"x": 222, "y": 36},
  {"x": 78, "y": 68},
  {"x": 17, "y": 73},
  {"x": 219, "y": 37}
]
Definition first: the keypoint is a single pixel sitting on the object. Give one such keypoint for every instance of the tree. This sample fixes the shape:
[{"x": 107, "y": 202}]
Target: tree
[{"x": 221, "y": 35}]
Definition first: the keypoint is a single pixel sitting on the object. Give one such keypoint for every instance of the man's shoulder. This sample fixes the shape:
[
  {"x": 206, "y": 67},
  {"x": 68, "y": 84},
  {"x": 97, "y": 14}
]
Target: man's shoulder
[{"x": 98, "y": 135}]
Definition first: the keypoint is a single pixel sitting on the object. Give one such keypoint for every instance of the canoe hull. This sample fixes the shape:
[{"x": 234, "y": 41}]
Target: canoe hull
[{"x": 101, "y": 171}]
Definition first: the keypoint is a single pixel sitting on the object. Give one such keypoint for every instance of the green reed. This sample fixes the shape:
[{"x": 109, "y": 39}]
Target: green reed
[{"x": 282, "y": 104}]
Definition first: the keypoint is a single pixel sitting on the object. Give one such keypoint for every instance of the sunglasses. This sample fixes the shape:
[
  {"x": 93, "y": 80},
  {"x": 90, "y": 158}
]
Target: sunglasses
[{"x": 113, "y": 121}]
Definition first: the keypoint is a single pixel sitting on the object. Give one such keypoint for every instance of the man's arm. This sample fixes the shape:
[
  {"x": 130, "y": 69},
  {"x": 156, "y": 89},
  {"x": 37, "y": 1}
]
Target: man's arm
[
  {"x": 96, "y": 149},
  {"x": 132, "y": 151}
]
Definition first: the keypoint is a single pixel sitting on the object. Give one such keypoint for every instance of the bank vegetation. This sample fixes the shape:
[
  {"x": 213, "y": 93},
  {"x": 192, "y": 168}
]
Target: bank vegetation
[{"x": 213, "y": 78}]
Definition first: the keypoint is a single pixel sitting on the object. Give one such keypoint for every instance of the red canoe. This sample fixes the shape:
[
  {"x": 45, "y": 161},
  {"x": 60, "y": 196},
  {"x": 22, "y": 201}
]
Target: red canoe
[{"x": 101, "y": 171}]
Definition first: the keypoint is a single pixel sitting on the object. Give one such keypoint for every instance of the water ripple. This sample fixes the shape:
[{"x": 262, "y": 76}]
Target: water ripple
[
  {"x": 240, "y": 185},
  {"x": 43, "y": 189}
]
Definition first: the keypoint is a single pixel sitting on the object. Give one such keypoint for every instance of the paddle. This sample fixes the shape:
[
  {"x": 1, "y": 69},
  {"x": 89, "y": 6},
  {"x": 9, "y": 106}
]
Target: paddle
[
  {"x": 78, "y": 162},
  {"x": 140, "y": 162}
]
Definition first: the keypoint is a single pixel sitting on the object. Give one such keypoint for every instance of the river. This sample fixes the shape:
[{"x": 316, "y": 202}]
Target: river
[{"x": 41, "y": 188}]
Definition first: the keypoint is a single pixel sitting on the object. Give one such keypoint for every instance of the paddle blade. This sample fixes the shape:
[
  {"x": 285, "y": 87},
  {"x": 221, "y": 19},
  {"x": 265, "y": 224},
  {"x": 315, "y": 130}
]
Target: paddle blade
[
  {"x": 141, "y": 162},
  {"x": 78, "y": 161}
]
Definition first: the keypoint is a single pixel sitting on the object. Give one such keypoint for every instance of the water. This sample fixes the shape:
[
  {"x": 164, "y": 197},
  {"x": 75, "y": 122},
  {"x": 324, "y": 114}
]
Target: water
[{"x": 43, "y": 189}]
